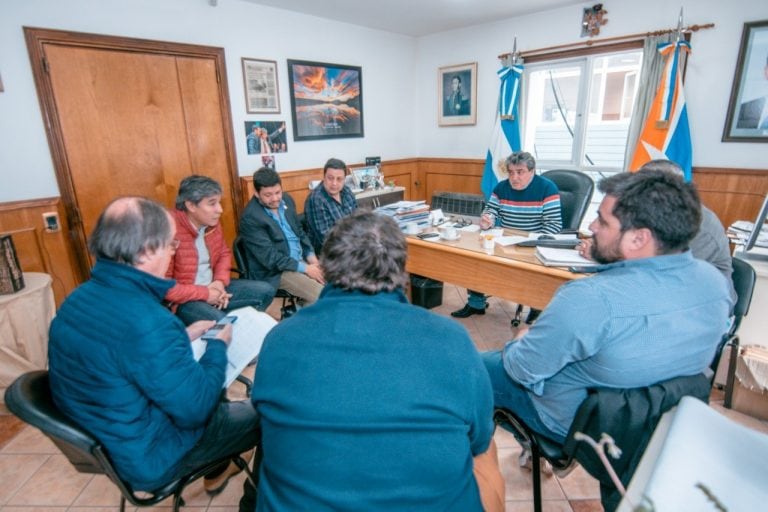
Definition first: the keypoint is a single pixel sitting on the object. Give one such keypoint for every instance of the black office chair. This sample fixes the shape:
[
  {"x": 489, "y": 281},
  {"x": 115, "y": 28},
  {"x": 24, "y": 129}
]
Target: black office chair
[
  {"x": 576, "y": 189},
  {"x": 629, "y": 416},
  {"x": 288, "y": 307},
  {"x": 744, "y": 279},
  {"x": 29, "y": 398}
]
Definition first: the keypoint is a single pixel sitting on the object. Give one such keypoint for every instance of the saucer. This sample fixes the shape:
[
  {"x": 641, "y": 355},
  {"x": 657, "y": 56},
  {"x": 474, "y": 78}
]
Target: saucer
[{"x": 451, "y": 239}]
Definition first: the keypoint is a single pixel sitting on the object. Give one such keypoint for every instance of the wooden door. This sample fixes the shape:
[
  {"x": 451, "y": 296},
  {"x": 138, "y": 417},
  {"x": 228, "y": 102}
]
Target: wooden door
[{"x": 131, "y": 117}]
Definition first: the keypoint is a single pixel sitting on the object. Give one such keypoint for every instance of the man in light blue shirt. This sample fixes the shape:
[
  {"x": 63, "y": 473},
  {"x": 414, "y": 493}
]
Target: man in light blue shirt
[{"x": 651, "y": 312}]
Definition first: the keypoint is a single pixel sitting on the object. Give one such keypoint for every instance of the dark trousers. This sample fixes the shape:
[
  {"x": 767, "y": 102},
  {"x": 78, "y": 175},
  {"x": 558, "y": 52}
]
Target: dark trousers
[{"x": 233, "y": 429}]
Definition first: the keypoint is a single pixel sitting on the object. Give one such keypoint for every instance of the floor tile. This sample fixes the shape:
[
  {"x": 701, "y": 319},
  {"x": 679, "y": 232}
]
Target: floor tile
[
  {"x": 10, "y": 426},
  {"x": 99, "y": 492},
  {"x": 580, "y": 485},
  {"x": 56, "y": 483},
  {"x": 547, "y": 506},
  {"x": 518, "y": 481},
  {"x": 16, "y": 469},
  {"x": 30, "y": 440},
  {"x": 586, "y": 505}
]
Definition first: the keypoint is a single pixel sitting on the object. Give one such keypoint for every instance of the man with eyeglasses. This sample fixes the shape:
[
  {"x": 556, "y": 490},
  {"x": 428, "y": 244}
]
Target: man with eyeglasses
[
  {"x": 121, "y": 365},
  {"x": 203, "y": 262},
  {"x": 525, "y": 201}
]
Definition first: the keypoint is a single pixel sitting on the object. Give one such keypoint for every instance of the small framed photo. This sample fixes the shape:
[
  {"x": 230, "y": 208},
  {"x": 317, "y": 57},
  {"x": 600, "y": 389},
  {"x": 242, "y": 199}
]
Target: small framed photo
[
  {"x": 457, "y": 95},
  {"x": 265, "y": 137},
  {"x": 260, "y": 82},
  {"x": 326, "y": 100},
  {"x": 747, "y": 117}
]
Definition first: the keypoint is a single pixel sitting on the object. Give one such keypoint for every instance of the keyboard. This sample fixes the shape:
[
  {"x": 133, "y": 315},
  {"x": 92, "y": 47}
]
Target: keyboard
[{"x": 570, "y": 243}]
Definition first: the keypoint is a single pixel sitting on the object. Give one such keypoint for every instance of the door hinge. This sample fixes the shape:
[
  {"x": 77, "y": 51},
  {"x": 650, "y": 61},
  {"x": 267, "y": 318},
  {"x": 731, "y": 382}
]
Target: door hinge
[{"x": 46, "y": 67}]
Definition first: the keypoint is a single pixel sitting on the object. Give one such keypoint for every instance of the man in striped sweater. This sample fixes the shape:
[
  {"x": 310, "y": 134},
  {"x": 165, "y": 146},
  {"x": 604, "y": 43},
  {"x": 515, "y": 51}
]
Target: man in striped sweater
[{"x": 525, "y": 201}]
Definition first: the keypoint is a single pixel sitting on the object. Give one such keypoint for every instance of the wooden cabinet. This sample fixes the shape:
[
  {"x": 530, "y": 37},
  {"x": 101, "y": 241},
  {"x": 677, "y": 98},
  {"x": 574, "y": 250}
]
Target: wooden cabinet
[{"x": 374, "y": 198}]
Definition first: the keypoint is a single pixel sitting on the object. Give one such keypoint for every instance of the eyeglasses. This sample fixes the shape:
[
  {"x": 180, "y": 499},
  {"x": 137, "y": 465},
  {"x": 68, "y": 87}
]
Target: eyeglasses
[{"x": 174, "y": 244}]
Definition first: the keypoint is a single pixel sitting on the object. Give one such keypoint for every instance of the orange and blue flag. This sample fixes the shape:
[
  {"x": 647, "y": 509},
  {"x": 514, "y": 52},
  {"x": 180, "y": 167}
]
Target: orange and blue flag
[
  {"x": 506, "y": 129},
  {"x": 666, "y": 133}
]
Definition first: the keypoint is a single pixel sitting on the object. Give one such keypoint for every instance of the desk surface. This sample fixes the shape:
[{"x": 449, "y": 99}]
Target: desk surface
[{"x": 511, "y": 272}]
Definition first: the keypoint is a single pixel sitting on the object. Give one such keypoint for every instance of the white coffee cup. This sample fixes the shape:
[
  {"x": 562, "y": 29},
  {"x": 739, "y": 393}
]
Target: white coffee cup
[
  {"x": 412, "y": 228},
  {"x": 449, "y": 232},
  {"x": 488, "y": 242}
]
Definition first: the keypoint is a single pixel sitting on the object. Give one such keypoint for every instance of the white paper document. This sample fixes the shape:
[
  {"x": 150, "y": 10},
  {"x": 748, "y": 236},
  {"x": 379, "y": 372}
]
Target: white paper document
[
  {"x": 553, "y": 257},
  {"x": 248, "y": 334}
]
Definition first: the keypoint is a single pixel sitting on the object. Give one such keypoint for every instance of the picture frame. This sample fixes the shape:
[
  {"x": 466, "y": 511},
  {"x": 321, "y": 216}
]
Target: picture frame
[
  {"x": 326, "y": 100},
  {"x": 265, "y": 137},
  {"x": 457, "y": 95},
  {"x": 747, "y": 118},
  {"x": 262, "y": 94}
]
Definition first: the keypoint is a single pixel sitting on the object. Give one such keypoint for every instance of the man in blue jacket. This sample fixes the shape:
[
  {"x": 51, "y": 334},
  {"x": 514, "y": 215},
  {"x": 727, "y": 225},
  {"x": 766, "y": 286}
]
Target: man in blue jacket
[
  {"x": 368, "y": 402},
  {"x": 121, "y": 365}
]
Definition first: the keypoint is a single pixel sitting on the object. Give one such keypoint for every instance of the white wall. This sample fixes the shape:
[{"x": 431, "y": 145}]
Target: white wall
[
  {"x": 399, "y": 73},
  {"x": 708, "y": 80},
  {"x": 243, "y": 30}
]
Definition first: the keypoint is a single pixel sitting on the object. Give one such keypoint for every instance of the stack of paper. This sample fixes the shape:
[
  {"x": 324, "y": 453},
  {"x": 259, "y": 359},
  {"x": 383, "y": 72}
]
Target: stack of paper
[
  {"x": 741, "y": 230},
  {"x": 553, "y": 257},
  {"x": 248, "y": 333},
  {"x": 405, "y": 212}
]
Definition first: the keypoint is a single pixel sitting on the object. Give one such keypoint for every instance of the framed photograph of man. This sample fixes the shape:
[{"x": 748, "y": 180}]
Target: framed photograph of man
[
  {"x": 326, "y": 100},
  {"x": 747, "y": 117},
  {"x": 260, "y": 81},
  {"x": 457, "y": 95}
]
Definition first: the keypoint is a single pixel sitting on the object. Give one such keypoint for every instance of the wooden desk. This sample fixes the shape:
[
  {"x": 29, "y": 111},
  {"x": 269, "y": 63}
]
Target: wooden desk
[{"x": 512, "y": 273}]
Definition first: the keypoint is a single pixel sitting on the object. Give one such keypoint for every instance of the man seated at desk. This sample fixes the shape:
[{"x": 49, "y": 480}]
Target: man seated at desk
[
  {"x": 328, "y": 202},
  {"x": 202, "y": 262},
  {"x": 525, "y": 201},
  {"x": 651, "y": 311},
  {"x": 710, "y": 243},
  {"x": 121, "y": 364},
  {"x": 368, "y": 402},
  {"x": 277, "y": 249}
]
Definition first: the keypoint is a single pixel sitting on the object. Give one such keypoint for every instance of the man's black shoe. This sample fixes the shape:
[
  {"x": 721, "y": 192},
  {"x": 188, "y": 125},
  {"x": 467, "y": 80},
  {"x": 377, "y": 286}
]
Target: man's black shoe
[{"x": 468, "y": 311}]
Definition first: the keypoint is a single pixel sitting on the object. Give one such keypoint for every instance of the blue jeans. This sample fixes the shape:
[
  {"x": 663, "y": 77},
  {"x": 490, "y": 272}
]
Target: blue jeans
[
  {"x": 511, "y": 395},
  {"x": 245, "y": 292},
  {"x": 476, "y": 299}
]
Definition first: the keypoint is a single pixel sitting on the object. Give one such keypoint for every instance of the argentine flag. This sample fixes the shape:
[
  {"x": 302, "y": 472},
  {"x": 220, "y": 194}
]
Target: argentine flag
[
  {"x": 666, "y": 133},
  {"x": 506, "y": 129}
]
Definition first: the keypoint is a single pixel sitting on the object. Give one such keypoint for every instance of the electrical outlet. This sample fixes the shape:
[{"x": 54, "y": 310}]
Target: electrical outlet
[{"x": 51, "y": 222}]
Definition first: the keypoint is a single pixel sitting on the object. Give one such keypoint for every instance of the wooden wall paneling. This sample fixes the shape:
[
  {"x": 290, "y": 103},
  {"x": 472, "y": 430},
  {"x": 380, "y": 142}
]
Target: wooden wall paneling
[
  {"x": 451, "y": 175},
  {"x": 733, "y": 194},
  {"x": 37, "y": 249},
  {"x": 405, "y": 173}
]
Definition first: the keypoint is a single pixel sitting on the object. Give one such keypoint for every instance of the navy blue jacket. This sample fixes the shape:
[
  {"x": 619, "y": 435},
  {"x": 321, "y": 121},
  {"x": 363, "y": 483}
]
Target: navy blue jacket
[
  {"x": 121, "y": 366},
  {"x": 370, "y": 403}
]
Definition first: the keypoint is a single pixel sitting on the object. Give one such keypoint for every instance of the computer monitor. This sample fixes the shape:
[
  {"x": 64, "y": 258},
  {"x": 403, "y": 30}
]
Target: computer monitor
[{"x": 759, "y": 222}]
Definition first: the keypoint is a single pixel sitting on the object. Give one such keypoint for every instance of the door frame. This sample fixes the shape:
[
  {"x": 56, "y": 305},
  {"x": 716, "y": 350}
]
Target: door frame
[{"x": 37, "y": 38}]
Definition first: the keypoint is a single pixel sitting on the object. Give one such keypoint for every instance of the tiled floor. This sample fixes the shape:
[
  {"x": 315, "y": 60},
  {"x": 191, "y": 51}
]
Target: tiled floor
[{"x": 35, "y": 476}]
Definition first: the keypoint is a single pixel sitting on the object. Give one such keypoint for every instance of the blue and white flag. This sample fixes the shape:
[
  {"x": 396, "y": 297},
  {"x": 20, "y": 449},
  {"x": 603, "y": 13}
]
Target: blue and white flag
[{"x": 506, "y": 129}]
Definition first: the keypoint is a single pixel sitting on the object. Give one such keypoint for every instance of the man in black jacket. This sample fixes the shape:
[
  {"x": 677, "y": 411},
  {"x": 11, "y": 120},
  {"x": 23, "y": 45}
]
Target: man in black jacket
[{"x": 277, "y": 248}]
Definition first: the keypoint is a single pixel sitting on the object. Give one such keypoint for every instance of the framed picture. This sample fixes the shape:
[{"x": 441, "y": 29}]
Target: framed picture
[
  {"x": 260, "y": 82},
  {"x": 265, "y": 137},
  {"x": 747, "y": 117},
  {"x": 457, "y": 95},
  {"x": 326, "y": 100}
]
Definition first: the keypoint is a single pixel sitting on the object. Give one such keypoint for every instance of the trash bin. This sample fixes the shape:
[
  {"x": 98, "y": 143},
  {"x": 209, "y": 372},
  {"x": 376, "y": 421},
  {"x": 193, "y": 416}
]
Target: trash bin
[{"x": 426, "y": 292}]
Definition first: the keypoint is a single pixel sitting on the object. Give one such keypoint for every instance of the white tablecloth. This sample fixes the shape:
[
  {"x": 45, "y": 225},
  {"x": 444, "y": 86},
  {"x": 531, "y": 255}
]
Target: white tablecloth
[{"x": 24, "y": 320}]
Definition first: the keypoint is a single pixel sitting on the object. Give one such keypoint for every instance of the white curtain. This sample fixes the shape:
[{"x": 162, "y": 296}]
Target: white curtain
[{"x": 653, "y": 65}]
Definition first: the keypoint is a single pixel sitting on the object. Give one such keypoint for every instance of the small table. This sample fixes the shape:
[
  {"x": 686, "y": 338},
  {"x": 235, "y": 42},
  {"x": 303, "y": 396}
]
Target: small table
[{"x": 24, "y": 320}]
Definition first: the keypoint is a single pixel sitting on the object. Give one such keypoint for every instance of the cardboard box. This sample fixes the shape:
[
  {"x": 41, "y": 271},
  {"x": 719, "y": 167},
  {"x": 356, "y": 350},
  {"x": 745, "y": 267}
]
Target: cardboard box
[
  {"x": 11, "y": 276},
  {"x": 750, "y": 393}
]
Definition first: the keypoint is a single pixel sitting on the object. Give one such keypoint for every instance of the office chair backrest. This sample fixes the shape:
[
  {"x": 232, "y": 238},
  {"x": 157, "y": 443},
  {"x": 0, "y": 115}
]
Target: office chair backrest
[
  {"x": 744, "y": 278},
  {"x": 629, "y": 416},
  {"x": 576, "y": 189},
  {"x": 238, "y": 253},
  {"x": 29, "y": 398}
]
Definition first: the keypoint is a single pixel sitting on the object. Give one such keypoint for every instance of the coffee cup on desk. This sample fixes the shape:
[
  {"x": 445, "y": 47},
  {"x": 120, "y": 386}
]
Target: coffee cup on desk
[
  {"x": 449, "y": 232},
  {"x": 412, "y": 228}
]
